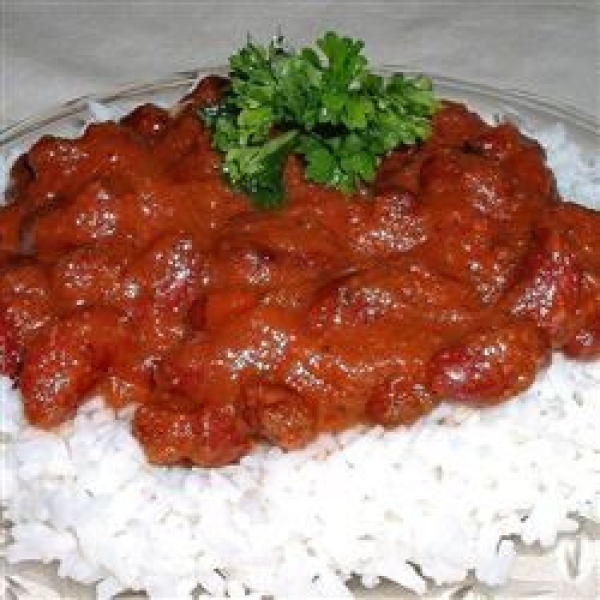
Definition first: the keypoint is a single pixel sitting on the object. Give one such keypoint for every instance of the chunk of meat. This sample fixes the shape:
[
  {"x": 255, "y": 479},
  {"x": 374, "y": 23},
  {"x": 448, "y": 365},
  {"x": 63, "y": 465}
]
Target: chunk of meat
[
  {"x": 66, "y": 359},
  {"x": 256, "y": 343},
  {"x": 207, "y": 92},
  {"x": 220, "y": 306},
  {"x": 388, "y": 224},
  {"x": 174, "y": 430},
  {"x": 529, "y": 169},
  {"x": 63, "y": 166},
  {"x": 159, "y": 329},
  {"x": 454, "y": 124},
  {"x": 488, "y": 366},
  {"x": 88, "y": 275},
  {"x": 475, "y": 249},
  {"x": 579, "y": 227},
  {"x": 132, "y": 385},
  {"x": 103, "y": 210},
  {"x": 497, "y": 143},
  {"x": 186, "y": 369},
  {"x": 400, "y": 171},
  {"x": 251, "y": 251},
  {"x": 65, "y": 224},
  {"x": 585, "y": 343},
  {"x": 455, "y": 178},
  {"x": 397, "y": 290},
  {"x": 400, "y": 400},
  {"x": 184, "y": 137},
  {"x": 25, "y": 296},
  {"x": 523, "y": 158},
  {"x": 20, "y": 176},
  {"x": 279, "y": 414},
  {"x": 147, "y": 120},
  {"x": 168, "y": 272},
  {"x": 55, "y": 380},
  {"x": 11, "y": 222}
]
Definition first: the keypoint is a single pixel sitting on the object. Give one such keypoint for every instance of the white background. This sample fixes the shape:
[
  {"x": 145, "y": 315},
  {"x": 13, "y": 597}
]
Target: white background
[{"x": 54, "y": 50}]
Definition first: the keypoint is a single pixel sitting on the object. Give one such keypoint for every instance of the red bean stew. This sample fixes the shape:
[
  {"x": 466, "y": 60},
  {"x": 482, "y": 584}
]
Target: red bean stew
[{"x": 129, "y": 269}]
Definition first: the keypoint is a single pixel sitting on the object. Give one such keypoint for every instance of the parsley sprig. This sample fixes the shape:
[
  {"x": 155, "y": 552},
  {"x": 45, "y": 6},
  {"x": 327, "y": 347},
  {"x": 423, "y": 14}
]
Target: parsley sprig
[{"x": 323, "y": 104}]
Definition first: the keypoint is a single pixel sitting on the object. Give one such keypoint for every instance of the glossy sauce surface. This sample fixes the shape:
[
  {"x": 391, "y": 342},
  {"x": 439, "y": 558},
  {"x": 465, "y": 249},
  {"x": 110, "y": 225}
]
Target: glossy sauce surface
[{"x": 129, "y": 268}]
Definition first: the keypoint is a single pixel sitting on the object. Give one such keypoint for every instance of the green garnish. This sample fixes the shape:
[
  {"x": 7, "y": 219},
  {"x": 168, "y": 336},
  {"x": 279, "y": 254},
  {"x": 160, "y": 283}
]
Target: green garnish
[{"x": 324, "y": 104}]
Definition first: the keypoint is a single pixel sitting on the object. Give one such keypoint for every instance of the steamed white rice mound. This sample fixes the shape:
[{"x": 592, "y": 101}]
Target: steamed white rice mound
[{"x": 447, "y": 498}]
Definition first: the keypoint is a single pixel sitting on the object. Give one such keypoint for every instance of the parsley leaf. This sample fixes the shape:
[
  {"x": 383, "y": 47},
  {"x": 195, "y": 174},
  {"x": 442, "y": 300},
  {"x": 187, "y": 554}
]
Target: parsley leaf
[
  {"x": 258, "y": 170},
  {"x": 323, "y": 104}
]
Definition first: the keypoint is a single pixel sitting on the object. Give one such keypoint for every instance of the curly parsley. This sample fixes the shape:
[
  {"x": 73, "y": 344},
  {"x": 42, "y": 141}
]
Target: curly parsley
[{"x": 323, "y": 104}]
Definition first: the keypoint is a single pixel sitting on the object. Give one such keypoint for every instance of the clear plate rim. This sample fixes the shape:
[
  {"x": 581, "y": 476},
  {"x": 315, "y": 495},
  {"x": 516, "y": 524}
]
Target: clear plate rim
[{"x": 29, "y": 124}]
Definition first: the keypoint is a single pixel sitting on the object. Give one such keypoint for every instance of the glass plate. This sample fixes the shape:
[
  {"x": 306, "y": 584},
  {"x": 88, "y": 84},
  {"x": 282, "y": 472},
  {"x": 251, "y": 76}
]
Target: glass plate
[{"x": 536, "y": 573}]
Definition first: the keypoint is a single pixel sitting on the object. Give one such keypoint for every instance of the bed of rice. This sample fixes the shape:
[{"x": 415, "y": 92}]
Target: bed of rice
[{"x": 450, "y": 497}]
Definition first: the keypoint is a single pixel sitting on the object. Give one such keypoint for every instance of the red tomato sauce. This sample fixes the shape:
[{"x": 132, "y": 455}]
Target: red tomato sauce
[{"x": 129, "y": 268}]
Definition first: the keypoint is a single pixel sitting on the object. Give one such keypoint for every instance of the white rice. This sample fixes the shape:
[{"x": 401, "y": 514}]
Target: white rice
[{"x": 452, "y": 494}]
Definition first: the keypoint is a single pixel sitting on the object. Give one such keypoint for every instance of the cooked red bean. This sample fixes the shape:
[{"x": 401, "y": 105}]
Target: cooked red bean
[
  {"x": 488, "y": 366},
  {"x": 176, "y": 431},
  {"x": 548, "y": 288}
]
